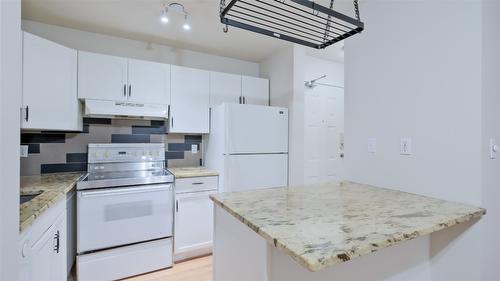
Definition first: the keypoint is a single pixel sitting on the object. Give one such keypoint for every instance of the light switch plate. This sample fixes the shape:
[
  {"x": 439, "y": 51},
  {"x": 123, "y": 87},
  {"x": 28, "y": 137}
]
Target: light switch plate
[
  {"x": 194, "y": 148},
  {"x": 24, "y": 151},
  {"x": 372, "y": 145},
  {"x": 406, "y": 148}
]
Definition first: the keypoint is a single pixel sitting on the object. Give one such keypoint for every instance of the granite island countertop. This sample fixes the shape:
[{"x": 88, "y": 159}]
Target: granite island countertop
[
  {"x": 192, "y": 172},
  {"x": 322, "y": 225},
  {"x": 53, "y": 187}
]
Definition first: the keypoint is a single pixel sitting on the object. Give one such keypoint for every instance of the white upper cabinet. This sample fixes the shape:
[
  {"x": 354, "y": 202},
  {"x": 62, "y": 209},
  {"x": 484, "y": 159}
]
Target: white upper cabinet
[
  {"x": 190, "y": 100},
  {"x": 149, "y": 82},
  {"x": 255, "y": 90},
  {"x": 50, "y": 99},
  {"x": 102, "y": 77},
  {"x": 224, "y": 88}
]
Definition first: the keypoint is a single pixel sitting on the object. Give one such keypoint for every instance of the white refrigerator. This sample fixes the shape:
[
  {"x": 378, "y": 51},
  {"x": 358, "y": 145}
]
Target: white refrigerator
[{"x": 248, "y": 146}]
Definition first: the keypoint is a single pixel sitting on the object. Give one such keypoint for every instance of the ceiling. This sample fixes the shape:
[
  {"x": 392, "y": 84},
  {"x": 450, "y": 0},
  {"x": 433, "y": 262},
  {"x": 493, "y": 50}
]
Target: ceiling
[{"x": 139, "y": 20}]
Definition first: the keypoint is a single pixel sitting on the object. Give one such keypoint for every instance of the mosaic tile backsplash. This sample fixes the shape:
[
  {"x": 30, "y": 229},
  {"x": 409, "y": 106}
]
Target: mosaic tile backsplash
[{"x": 55, "y": 152}]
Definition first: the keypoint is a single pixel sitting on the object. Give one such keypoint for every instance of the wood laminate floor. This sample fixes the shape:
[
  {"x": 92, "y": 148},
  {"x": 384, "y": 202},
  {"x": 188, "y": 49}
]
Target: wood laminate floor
[{"x": 199, "y": 269}]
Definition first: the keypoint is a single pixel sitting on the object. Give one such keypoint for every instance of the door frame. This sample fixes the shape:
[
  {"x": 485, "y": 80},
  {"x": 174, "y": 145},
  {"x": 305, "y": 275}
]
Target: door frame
[{"x": 10, "y": 104}]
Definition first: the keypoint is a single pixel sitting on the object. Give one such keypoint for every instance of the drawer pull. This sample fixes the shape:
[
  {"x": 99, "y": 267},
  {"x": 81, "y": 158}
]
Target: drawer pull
[{"x": 197, "y": 183}]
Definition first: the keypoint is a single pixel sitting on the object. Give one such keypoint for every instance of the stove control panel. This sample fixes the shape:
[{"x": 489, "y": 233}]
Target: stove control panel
[{"x": 116, "y": 153}]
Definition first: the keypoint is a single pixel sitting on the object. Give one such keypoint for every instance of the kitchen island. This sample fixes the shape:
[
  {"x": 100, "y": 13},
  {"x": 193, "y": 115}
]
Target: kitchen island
[{"x": 310, "y": 232}]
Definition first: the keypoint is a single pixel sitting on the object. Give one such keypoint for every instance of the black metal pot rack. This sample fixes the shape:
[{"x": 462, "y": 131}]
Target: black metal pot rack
[{"x": 299, "y": 21}]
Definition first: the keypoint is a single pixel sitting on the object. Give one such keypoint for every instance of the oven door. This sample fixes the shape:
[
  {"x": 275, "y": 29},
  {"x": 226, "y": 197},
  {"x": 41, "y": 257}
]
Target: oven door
[{"x": 119, "y": 216}]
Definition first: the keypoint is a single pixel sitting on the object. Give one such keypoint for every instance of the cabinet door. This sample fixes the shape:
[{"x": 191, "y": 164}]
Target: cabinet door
[
  {"x": 149, "y": 82},
  {"x": 255, "y": 90},
  {"x": 189, "y": 104},
  {"x": 49, "y": 253},
  {"x": 193, "y": 224},
  {"x": 224, "y": 88},
  {"x": 101, "y": 77},
  {"x": 49, "y": 86}
]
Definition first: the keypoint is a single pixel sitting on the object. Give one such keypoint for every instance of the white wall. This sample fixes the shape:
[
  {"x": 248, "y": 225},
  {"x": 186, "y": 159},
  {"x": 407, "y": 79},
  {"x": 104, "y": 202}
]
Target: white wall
[
  {"x": 491, "y": 129},
  {"x": 283, "y": 68},
  {"x": 99, "y": 43},
  {"x": 10, "y": 103},
  {"x": 316, "y": 67},
  {"x": 416, "y": 72}
]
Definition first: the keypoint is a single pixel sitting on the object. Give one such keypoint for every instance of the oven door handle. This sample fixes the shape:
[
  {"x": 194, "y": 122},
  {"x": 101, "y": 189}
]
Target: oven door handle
[{"x": 125, "y": 191}]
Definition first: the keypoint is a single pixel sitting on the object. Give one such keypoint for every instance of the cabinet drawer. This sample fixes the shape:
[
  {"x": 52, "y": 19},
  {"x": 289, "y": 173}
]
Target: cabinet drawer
[{"x": 196, "y": 184}]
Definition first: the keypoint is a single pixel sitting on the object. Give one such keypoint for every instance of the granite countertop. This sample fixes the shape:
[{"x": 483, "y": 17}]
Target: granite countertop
[
  {"x": 192, "y": 172},
  {"x": 53, "y": 187},
  {"x": 323, "y": 225}
]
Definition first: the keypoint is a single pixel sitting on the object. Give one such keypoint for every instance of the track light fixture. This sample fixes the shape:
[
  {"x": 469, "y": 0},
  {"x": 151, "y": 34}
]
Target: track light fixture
[{"x": 178, "y": 9}]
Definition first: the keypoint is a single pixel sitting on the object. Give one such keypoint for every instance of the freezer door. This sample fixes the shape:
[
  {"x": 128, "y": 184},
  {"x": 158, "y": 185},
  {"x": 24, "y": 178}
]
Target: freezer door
[
  {"x": 256, "y": 129},
  {"x": 254, "y": 171}
]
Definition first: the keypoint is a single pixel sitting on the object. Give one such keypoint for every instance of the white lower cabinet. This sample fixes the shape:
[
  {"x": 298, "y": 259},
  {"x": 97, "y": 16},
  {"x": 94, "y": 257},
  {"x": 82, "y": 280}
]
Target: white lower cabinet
[
  {"x": 43, "y": 247},
  {"x": 193, "y": 234}
]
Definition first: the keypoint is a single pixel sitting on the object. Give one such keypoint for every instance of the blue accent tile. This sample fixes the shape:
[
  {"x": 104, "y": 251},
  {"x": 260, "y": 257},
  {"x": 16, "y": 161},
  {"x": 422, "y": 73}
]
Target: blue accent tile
[
  {"x": 192, "y": 139},
  {"x": 169, "y": 155},
  {"x": 86, "y": 129},
  {"x": 33, "y": 148},
  {"x": 102, "y": 121},
  {"x": 43, "y": 138},
  {"x": 155, "y": 128},
  {"x": 119, "y": 138},
  {"x": 179, "y": 146},
  {"x": 76, "y": 157},
  {"x": 63, "y": 168}
]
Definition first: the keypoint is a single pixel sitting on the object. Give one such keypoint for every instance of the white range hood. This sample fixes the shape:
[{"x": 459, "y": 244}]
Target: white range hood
[{"x": 123, "y": 109}]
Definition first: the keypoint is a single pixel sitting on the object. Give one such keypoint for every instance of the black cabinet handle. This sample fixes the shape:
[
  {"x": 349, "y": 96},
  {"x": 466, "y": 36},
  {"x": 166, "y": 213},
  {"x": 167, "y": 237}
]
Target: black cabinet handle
[
  {"x": 27, "y": 116},
  {"x": 197, "y": 183},
  {"x": 57, "y": 237},
  {"x": 240, "y": 99},
  {"x": 177, "y": 205},
  {"x": 129, "y": 90},
  {"x": 124, "y": 90},
  {"x": 244, "y": 101},
  {"x": 172, "y": 121}
]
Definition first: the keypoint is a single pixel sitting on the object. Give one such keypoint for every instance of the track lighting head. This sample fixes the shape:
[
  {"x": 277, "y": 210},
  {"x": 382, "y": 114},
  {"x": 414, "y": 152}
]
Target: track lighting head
[
  {"x": 163, "y": 15},
  {"x": 175, "y": 8}
]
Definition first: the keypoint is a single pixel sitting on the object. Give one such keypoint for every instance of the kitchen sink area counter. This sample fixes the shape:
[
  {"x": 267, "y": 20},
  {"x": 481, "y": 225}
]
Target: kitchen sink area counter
[
  {"x": 192, "y": 172},
  {"x": 51, "y": 188},
  {"x": 322, "y": 225}
]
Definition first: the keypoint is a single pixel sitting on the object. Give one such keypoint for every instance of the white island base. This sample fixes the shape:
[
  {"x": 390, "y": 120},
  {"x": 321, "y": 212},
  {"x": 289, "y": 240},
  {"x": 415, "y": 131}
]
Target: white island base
[{"x": 240, "y": 254}]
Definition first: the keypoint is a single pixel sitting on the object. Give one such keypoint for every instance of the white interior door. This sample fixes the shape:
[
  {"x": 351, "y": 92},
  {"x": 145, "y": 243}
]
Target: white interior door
[
  {"x": 101, "y": 77},
  {"x": 256, "y": 129},
  {"x": 149, "y": 82},
  {"x": 254, "y": 171},
  {"x": 224, "y": 88},
  {"x": 324, "y": 128}
]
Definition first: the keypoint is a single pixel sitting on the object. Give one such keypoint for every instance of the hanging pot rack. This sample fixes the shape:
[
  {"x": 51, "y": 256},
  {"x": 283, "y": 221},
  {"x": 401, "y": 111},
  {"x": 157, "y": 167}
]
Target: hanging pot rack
[{"x": 299, "y": 21}]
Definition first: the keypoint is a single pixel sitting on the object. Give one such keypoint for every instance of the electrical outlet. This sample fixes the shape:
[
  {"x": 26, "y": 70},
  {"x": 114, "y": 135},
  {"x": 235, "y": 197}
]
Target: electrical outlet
[
  {"x": 493, "y": 149},
  {"x": 24, "y": 151},
  {"x": 372, "y": 145},
  {"x": 405, "y": 148},
  {"x": 194, "y": 148}
]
